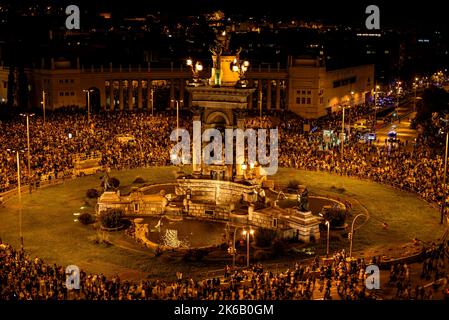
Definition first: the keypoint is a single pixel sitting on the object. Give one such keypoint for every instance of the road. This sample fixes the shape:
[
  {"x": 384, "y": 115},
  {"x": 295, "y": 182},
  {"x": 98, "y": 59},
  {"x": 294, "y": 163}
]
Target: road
[{"x": 405, "y": 113}]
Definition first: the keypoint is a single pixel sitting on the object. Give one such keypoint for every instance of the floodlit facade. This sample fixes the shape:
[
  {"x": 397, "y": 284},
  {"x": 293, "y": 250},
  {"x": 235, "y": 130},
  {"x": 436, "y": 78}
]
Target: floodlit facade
[{"x": 306, "y": 87}]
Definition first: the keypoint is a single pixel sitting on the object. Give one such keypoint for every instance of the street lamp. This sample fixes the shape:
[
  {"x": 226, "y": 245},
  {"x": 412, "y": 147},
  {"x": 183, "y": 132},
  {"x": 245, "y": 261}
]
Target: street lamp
[
  {"x": 43, "y": 103},
  {"x": 247, "y": 233},
  {"x": 375, "y": 106},
  {"x": 19, "y": 190},
  {"x": 27, "y": 115},
  {"x": 446, "y": 129},
  {"x": 88, "y": 103},
  {"x": 342, "y": 134},
  {"x": 177, "y": 112},
  {"x": 351, "y": 235},
  {"x": 152, "y": 101},
  {"x": 196, "y": 67},
  {"x": 240, "y": 66},
  {"x": 415, "y": 85}
]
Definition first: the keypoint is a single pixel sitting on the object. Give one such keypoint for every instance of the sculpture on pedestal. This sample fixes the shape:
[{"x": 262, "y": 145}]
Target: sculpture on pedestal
[{"x": 303, "y": 199}]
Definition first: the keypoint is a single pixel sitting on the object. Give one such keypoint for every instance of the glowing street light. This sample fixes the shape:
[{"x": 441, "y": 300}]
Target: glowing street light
[
  {"x": 247, "y": 233},
  {"x": 19, "y": 190},
  {"x": 240, "y": 66},
  {"x": 88, "y": 102},
  {"x": 28, "y": 115},
  {"x": 196, "y": 67}
]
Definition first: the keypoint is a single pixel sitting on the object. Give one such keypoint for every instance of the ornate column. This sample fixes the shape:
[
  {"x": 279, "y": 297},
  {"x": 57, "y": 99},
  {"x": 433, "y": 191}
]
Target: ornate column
[
  {"x": 268, "y": 94},
  {"x": 149, "y": 86},
  {"x": 130, "y": 95},
  {"x": 250, "y": 97},
  {"x": 120, "y": 95},
  {"x": 103, "y": 97},
  {"x": 139, "y": 95},
  {"x": 111, "y": 95},
  {"x": 259, "y": 90},
  {"x": 278, "y": 95}
]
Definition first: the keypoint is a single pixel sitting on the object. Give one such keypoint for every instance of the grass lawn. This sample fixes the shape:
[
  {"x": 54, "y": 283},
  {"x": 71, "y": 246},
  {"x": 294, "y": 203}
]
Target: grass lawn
[{"x": 50, "y": 232}]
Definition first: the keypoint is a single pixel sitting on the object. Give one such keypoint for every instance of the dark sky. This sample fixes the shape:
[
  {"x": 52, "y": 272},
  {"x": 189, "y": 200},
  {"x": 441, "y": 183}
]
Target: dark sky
[
  {"x": 403, "y": 13},
  {"x": 393, "y": 12}
]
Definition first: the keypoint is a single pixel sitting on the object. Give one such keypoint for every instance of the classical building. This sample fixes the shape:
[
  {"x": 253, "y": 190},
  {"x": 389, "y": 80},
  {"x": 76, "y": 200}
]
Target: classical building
[{"x": 305, "y": 87}]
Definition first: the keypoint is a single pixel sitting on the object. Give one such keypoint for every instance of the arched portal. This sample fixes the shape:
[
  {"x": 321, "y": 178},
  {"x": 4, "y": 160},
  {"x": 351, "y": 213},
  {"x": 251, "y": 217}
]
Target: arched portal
[{"x": 218, "y": 118}]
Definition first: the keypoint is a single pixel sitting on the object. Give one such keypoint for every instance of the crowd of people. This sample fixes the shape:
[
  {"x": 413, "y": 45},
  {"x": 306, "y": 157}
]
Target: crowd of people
[
  {"x": 25, "y": 278},
  {"x": 55, "y": 144},
  {"x": 63, "y": 136}
]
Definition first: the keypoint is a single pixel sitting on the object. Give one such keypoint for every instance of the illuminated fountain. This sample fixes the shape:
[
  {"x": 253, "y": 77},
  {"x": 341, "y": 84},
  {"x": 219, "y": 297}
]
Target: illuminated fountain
[{"x": 238, "y": 193}]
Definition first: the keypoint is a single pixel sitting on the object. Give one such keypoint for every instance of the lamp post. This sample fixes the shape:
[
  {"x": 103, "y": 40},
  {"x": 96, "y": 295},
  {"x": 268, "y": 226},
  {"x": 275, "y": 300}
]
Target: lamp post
[
  {"x": 88, "y": 103},
  {"x": 375, "y": 107},
  {"x": 397, "y": 97},
  {"x": 415, "y": 85},
  {"x": 352, "y": 231},
  {"x": 240, "y": 66},
  {"x": 342, "y": 135},
  {"x": 19, "y": 190},
  {"x": 177, "y": 112},
  {"x": 152, "y": 101},
  {"x": 196, "y": 67},
  {"x": 247, "y": 233},
  {"x": 43, "y": 104},
  {"x": 444, "y": 177},
  {"x": 328, "y": 225},
  {"x": 27, "y": 115},
  {"x": 443, "y": 204}
]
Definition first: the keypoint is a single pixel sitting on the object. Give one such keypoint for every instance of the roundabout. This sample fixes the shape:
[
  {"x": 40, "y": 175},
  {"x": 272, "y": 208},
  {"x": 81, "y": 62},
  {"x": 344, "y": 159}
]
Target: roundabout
[{"x": 51, "y": 232}]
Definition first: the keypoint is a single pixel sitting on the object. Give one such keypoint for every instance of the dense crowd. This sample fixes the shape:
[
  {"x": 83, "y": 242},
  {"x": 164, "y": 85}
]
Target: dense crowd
[
  {"x": 55, "y": 144},
  {"x": 25, "y": 278}
]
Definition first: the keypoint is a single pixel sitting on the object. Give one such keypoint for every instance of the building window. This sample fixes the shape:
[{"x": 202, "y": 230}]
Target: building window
[
  {"x": 303, "y": 100},
  {"x": 275, "y": 223},
  {"x": 303, "y": 92},
  {"x": 61, "y": 81},
  {"x": 66, "y": 80},
  {"x": 67, "y": 93},
  {"x": 136, "y": 207},
  {"x": 309, "y": 101},
  {"x": 298, "y": 100},
  {"x": 72, "y": 93},
  {"x": 309, "y": 92},
  {"x": 5, "y": 84},
  {"x": 71, "y": 81},
  {"x": 61, "y": 94},
  {"x": 336, "y": 84}
]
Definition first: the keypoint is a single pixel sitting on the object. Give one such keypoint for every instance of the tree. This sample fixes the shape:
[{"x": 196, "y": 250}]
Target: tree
[
  {"x": 265, "y": 237},
  {"x": 114, "y": 182},
  {"x": 435, "y": 100},
  {"x": 111, "y": 218}
]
